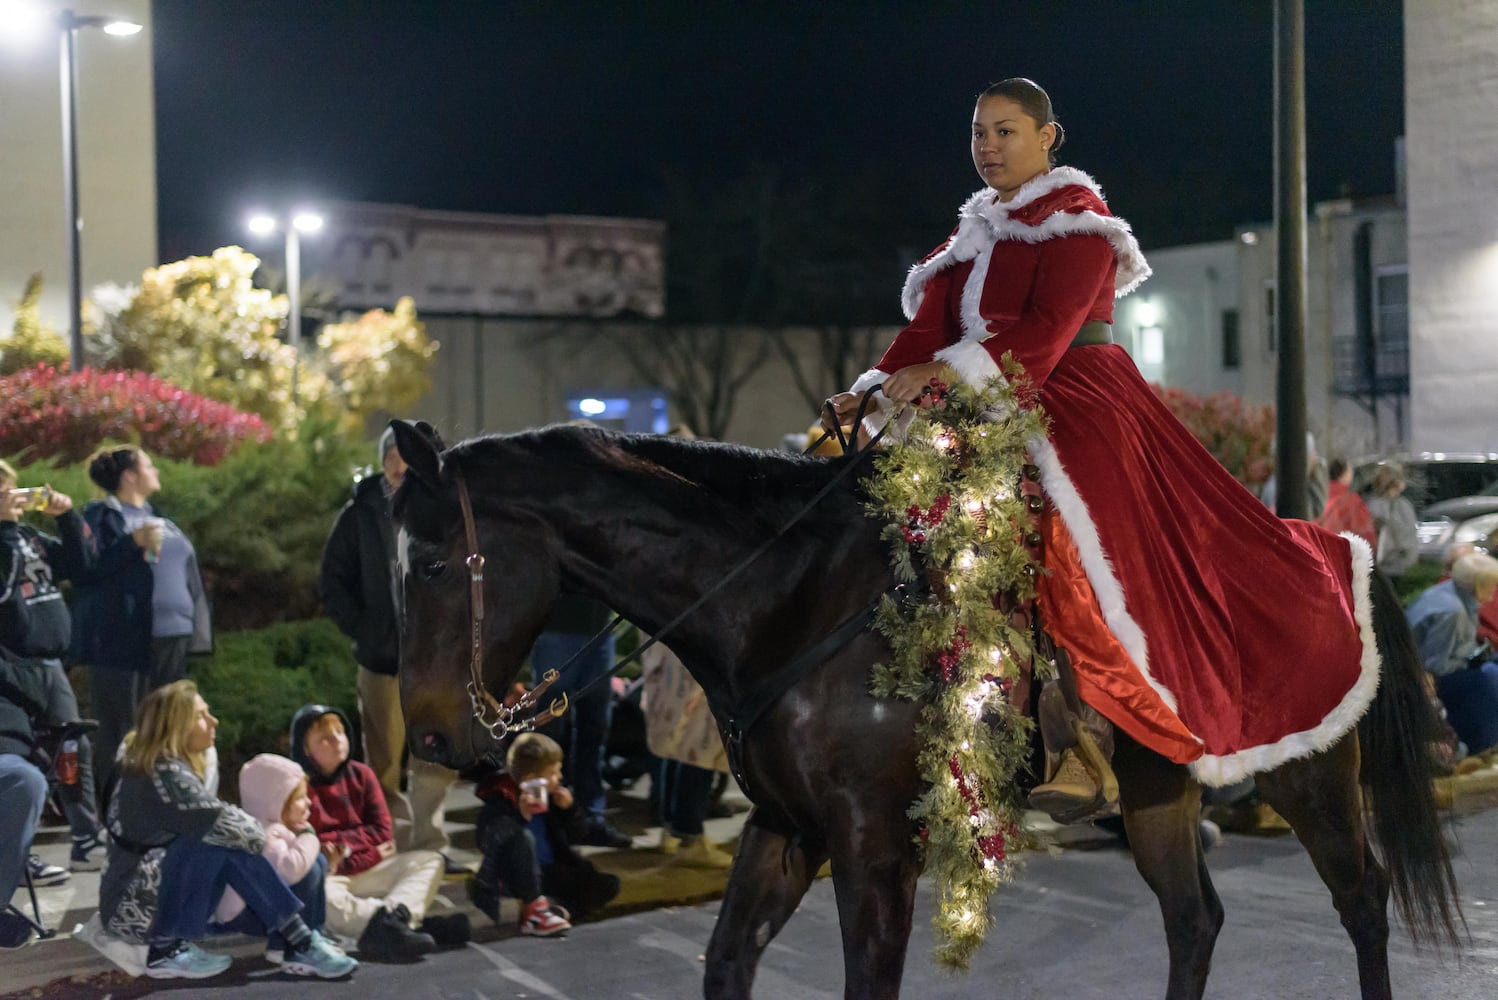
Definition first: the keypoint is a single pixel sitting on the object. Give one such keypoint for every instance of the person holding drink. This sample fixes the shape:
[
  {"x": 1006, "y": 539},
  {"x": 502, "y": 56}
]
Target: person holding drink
[
  {"x": 143, "y": 609},
  {"x": 35, "y": 629}
]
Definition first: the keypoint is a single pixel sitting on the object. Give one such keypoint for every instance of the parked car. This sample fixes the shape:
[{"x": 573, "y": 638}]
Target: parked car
[{"x": 1455, "y": 497}]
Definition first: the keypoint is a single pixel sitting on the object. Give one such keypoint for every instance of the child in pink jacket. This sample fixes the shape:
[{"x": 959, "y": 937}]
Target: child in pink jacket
[{"x": 274, "y": 790}]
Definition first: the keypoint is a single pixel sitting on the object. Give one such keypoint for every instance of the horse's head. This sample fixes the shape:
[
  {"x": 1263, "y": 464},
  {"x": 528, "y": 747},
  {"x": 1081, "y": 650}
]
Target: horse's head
[{"x": 515, "y": 583}]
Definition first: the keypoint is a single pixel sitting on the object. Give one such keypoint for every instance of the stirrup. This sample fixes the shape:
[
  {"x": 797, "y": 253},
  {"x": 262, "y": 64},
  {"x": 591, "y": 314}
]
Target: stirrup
[{"x": 1083, "y": 786}]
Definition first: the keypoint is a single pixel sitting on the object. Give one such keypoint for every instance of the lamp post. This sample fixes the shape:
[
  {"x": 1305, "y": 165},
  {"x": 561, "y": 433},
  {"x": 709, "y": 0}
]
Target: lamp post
[
  {"x": 69, "y": 24},
  {"x": 300, "y": 222}
]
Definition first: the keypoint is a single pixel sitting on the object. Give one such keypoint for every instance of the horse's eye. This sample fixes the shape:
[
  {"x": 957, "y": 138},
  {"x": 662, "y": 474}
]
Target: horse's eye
[{"x": 432, "y": 570}]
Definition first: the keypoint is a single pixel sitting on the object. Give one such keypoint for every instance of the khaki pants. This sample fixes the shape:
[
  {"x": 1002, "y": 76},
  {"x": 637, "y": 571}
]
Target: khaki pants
[
  {"x": 418, "y": 815},
  {"x": 411, "y": 878}
]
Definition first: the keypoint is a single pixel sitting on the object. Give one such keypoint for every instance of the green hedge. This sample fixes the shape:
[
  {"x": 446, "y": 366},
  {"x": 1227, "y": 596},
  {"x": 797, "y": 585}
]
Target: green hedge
[{"x": 258, "y": 519}]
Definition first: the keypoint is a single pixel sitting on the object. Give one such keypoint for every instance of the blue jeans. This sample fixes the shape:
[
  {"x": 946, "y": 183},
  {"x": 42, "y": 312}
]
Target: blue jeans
[
  {"x": 23, "y": 790},
  {"x": 311, "y": 890},
  {"x": 1471, "y": 700},
  {"x": 194, "y": 876},
  {"x": 584, "y": 730},
  {"x": 684, "y": 793}
]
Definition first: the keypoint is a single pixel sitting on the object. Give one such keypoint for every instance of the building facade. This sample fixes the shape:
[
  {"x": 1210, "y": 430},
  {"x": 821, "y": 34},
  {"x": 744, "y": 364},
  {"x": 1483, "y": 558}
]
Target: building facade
[
  {"x": 116, "y": 158},
  {"x": 1451, "y": 127}
]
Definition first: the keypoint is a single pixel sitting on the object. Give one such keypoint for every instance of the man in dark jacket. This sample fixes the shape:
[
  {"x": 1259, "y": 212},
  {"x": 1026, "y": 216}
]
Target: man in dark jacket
[
  {"x": 361, "y": 592},
  {"x": 35, "y": 626}
]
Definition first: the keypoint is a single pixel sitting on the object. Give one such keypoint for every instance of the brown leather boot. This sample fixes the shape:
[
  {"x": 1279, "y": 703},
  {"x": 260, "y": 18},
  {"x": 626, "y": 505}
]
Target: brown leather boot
[{"x": 1079, "y": 785}]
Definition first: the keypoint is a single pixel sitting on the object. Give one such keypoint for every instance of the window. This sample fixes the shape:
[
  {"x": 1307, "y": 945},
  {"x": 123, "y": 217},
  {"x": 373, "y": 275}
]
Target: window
[
  {"x": 1232, "y": 355},
  {"x": 1391, "y": 306},
  {"x": 1269, "y": 316}
]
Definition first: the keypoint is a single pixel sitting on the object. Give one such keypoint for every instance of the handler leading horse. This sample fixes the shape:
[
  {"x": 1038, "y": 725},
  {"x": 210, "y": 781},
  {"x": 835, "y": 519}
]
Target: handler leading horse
[{"x": 647, "y": 525}]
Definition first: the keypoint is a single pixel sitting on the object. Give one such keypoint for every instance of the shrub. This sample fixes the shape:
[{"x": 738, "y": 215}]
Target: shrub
[
  {"x": 1238, "y": 434},
  {"x": 258, "y": 519},
  {"x": 46, "y": 413},
  {"x": 32, "y": 342},
  {"x": 377, "y": 362}
]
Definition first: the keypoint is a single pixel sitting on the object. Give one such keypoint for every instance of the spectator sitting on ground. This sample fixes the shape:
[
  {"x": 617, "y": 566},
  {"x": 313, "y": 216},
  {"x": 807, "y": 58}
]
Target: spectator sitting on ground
[
  {"x": 174, "y": 849},
  {"x": 23, "y": 791},
  {"x": 1444, "y": 622},
  {"x": 522, "y": 834},
  {"x": 35, "y": 624},
  {"x": 374, "y": 894},
  {"x": 1345, "y": 510},
  {"x": 360, "y": 589},
  {"x": 274, "y": 791}
]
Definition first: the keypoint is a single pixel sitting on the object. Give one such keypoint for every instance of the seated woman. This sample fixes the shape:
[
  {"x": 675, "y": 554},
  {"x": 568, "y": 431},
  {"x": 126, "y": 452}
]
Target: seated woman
[
  {"x": 174, "y": 848},
  {"x": 1444, "y": 621}
]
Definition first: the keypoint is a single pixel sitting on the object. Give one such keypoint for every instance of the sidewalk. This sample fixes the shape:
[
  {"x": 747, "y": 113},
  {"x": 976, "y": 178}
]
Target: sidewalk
[{"x": 648, "y": 881}]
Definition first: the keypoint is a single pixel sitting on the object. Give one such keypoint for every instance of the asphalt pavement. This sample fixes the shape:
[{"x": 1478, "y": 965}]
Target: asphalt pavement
[{"x": 1080, "y": 924}]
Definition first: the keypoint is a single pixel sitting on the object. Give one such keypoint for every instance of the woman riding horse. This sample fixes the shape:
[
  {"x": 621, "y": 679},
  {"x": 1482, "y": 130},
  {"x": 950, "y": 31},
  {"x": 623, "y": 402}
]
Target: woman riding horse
[{"x": 1167, "y": 579}]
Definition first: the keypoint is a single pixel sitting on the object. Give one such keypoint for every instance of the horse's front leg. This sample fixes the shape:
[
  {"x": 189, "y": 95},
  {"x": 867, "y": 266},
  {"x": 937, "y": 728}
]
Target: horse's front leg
[
  {"x": 1162, "y": 814},
  {"x": 770, "y": 875},
  {"x": 874, "y": 873}
]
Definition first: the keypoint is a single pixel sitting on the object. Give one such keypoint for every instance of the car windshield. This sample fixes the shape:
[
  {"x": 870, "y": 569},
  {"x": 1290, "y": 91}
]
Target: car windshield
[{"x": 1432, "y": 482}]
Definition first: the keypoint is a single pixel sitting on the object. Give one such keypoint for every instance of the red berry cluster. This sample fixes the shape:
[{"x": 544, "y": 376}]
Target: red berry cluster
[
  {"x": 949, "y": 659},
  {"x": 993, "y": 845},
  {"x": 934, "y": 396},
  {"x": 918, "y": 521}
]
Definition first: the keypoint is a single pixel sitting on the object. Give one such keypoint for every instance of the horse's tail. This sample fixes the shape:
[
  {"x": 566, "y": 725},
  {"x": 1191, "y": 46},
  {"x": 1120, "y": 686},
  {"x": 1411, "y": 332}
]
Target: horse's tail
[{"x": 1396, "y": 735}]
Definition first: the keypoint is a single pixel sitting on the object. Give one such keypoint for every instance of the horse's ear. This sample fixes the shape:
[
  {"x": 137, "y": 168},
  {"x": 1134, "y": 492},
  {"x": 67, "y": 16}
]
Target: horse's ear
[
  {"x": 432, "y": 435},
  {"x": 419, "y": 445}
]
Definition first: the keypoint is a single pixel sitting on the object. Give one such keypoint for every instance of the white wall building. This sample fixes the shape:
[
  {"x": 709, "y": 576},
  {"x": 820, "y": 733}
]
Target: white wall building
[
  {"x": 1451, "y": 129},
  {"x": 116, "y": 156}
]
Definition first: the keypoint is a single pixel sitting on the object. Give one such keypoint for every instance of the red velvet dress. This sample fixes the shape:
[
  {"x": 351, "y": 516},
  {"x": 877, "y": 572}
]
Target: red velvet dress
[{"x": 1199, "y": 622}]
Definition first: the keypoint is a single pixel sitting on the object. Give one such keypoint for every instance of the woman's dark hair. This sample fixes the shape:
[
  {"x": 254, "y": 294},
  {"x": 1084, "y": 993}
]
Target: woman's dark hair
[
  {"x": 109, "y": 464},
  {"x": 1036, "y": 103},
  {"x": 1336, "y": 467}
]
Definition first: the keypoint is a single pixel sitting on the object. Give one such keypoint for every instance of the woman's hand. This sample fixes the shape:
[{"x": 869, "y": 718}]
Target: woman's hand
[
  {"x": 60, "y": 504},
  {"x": 12, "y": 506},
  {"x": 908, "y": 384}
]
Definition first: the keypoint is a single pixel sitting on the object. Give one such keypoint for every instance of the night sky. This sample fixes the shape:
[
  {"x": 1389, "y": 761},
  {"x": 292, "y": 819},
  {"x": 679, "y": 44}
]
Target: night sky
[{"x": 561, "y": 107}]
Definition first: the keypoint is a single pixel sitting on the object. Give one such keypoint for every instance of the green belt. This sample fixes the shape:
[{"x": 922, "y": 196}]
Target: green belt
[{"x": 1095, "y": 332}]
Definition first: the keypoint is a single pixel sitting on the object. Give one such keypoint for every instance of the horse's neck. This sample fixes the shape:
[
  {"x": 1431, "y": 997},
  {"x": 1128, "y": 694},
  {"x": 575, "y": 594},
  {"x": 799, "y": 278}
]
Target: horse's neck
[{"x": 675, "y": 549}]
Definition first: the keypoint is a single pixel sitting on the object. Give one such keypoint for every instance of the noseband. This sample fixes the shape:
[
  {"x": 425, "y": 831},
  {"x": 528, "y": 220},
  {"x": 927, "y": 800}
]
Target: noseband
[{"x": 484, "y": 706}]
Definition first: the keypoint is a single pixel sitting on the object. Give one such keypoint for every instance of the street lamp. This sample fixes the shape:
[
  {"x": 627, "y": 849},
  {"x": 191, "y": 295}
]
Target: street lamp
[
  {"x": 68, "y": 25},
  {"x": 262, "y": 224}
]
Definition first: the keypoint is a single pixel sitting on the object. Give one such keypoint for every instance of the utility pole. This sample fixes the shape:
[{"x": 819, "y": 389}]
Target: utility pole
[{"x": 1290, "y": 272}]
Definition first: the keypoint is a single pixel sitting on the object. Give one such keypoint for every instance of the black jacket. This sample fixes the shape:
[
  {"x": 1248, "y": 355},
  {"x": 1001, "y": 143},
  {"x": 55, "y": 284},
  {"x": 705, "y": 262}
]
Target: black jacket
[
  {"x": 23, "y": 694},
  {"x": 34, "y": 619},
  {"x": 358, "y": 584}
]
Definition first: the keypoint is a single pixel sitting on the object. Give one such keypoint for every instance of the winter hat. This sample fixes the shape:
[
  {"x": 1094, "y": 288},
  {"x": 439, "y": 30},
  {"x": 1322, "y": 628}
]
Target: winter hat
[
  {"x": 301, "y": 722},
  {"x": 265, "y": 783}
]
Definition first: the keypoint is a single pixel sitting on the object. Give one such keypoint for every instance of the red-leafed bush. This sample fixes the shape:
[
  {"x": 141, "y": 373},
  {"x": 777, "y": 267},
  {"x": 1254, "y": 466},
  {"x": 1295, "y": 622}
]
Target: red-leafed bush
[
  {"x": 1238, "y": 434},
  {"x": 48, "y": 414}
]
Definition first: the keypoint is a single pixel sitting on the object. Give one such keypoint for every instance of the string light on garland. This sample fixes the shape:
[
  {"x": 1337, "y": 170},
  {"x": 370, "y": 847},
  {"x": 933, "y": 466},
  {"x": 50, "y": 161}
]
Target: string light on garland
[{"x": 952, "y": 648}]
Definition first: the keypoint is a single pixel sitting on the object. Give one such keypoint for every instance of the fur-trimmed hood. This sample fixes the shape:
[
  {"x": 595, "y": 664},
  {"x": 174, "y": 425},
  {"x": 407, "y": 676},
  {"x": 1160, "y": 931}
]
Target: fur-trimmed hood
[{"x": 1062, "y": 202}]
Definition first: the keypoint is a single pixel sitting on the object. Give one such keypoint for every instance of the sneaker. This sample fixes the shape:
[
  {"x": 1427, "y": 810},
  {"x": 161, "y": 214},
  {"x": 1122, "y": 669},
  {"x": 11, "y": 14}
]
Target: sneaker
[
  {"x": 539, "y": 919},
  {"x": 598, "y": 832},
  {"x": 320, "y": 958},
  {"x": 699, "y": 852},
  {"x": 451, "y": 931},
  {"x": 15, "y": 930},
  {"x": 454, "y": 869},
  {"x": 88, "y": 854},
  {"x": 389, "y": 936},
  {"x": 668, "y": 844},
  {"x": 276, "y": 954},
  {"x": 44, "y": 874},
  {"x": 188, "y": 961}
]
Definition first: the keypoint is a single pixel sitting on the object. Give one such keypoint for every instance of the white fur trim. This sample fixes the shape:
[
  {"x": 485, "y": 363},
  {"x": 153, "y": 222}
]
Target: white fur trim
[
  {"x": 1224, "y": 770},
  {"x": 982, "y": 221},
  {"x": 1095, "y": 563},
  {"x": 971, "y": 360}
]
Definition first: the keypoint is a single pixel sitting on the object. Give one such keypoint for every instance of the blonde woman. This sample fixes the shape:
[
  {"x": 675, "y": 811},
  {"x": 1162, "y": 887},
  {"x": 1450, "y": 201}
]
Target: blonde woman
[
  {"x": 174, "y": 848},
  {"x": 1393, "y": 521}
]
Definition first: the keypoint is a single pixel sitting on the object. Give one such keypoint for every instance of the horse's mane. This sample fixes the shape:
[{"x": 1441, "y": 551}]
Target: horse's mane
[{"x": 765, "y": 485}]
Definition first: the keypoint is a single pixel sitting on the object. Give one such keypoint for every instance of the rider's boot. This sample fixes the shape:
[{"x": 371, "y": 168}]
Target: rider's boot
[{"x": 1079, "y": 784}]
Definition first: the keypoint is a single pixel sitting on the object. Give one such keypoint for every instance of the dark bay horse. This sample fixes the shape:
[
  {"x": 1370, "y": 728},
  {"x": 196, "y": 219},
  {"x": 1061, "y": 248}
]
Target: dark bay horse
[{"x": 647, "y": 525}]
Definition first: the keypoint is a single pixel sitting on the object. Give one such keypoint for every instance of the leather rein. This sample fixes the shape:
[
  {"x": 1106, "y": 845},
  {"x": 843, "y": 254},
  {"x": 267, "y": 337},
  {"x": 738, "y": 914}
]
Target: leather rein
[{"x": 500, "y": 720}]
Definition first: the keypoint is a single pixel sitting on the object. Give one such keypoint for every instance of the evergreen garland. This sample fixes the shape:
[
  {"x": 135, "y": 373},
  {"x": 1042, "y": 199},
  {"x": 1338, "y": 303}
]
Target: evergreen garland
[{"x": 951, "y": 498}]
